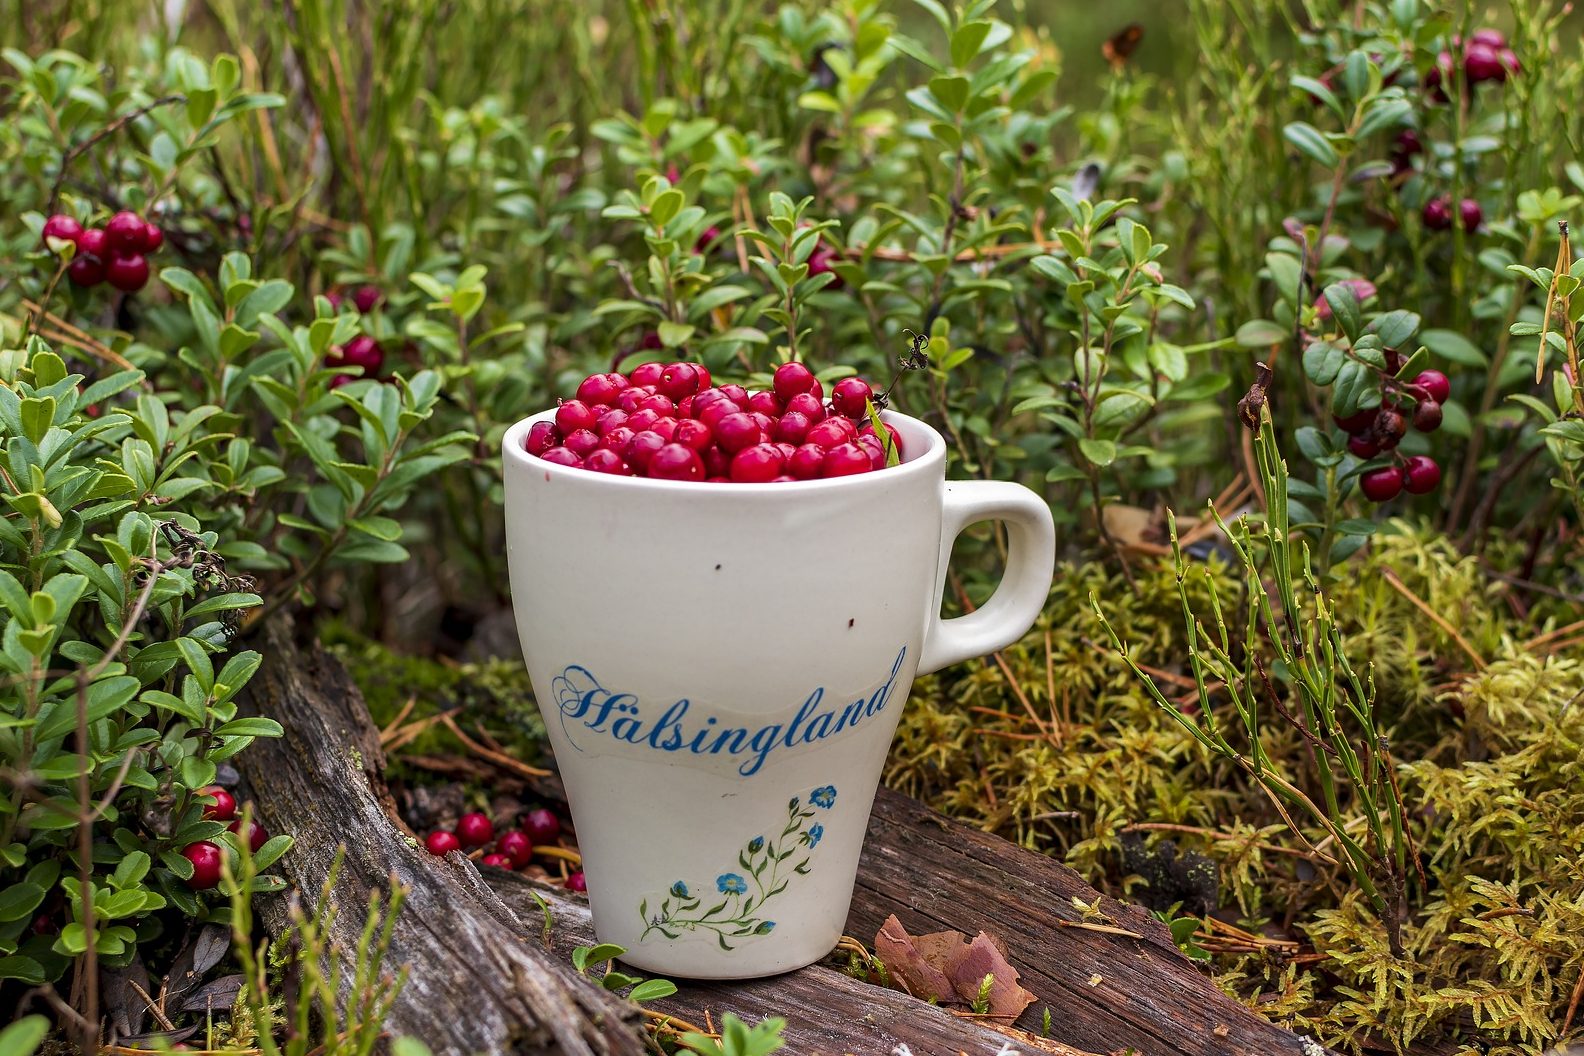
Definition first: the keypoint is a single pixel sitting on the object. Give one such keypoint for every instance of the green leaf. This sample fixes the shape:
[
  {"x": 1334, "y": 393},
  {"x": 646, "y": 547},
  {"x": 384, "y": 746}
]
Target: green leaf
[
  {"x": 674, "y": 335},
  {"x": 1322, "y": 360},
  {"x": 1344, "y": 305},
  {"x": 967, "y": 40},
  {"x": 1260, "y": 333},
  {"x": 1395, "y": 328},
  {"x": 952, "y": 92},
  {"x": 1454, "y": 348},
  {"x": 652, "y": 990},
  {"x": 1312, "y": 143},
  {"x": 1098, "y": 452}
]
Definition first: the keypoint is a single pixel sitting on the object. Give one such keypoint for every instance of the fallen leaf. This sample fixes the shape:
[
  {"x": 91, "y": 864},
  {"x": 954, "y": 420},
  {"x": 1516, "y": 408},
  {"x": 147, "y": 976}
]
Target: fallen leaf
[
  {"x": 983, "y": 957},
  {"x": 217, "y": 995},
  {"x": 917, "y": 963}
]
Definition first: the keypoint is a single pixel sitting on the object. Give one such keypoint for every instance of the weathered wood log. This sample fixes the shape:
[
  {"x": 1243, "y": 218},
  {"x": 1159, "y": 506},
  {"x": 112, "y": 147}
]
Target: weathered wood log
[{"x": 476, "y": 984}]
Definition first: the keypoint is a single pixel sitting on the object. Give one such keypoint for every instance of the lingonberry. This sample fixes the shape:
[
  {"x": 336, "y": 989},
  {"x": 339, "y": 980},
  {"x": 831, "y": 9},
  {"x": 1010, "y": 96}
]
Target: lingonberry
[
  {"x": 808, "y": 405},
  {"x": 616, "y": 439},
  {"x": 703, "y": 399},
  {"x": 1421, "y": 474},
  {"x": 712, "y": 414},
  {"x": 475, "y": 829},
  {"x": 1427, "y": 416},
  {"x": 600, "y": 389},
  {"x": 717, "y": 463},
  {"x": 442, "y": 842},
  {"x": 1437, "y": 214},
  {"x": 646, "y": 373},
  {"x": 806, "y": 462},
  {"x": 792, "y": 379},
  {"x": 541, "y": 438},
  {"x": 1490, "y": 38},
  {"x": 85, "y": 270},
  {"x": 1471, "y": 213},
  {"x": 125, "y": 231},
  {"x": 1482, "y": 63},
  {"x": 1381, "y": 484},
  {"x": 830, "y": 432},
  {"x": 256, "y": 834},
  {"x": 676, "y": 462},
  {"x": 604, "y": 460},
  {"x": 367, "y": 298},
  {"x": 629, "y": 398},
  {"x": 737, "y": 431},
  {"x": 499, "y": 861},
  {"x": 694, "y": 434},
  {"x": 222, "y": 806},
  {"x": 844, "y": 460},
  {"x": 363, "y": 351},
  {"x": 766, "y": 403},
  {"x": 666, "y": 427},
  {"x": 94, "y": 242},
  {"x": 875, "y": 448},
  {"x": 736, "y": 394},
  {"x": 206, "y": 859},
  {"x": 684, "y": 408},
  {"x": 678, "y": 380},
  {"x": 153, "y": 238},
  {"x": 576, "y": 882},
  {"x": 706, "y": 239},
  {"x": 1364, "y": 445},
  {"x": 1435, "y": 384},
  {"x": 787, "y": 450},
  {"x": 820, "y": 263},
  {"x": 614, "y": 418},
  {"x": 573, "y": 415},
  {"x": 560, "y": 456},
  {"x": 793, "y": 427},
  {"x": 661, "y": 405},
  {"x": 642, "y": 448},
  {"x": 63, "y": 227},
  {"x": 638, "y": 421},
  {"x": 581, "y": 441},
  {"x": 128, "y": 274},
  {"x": 516, "y": 847},
  {"x": 541, "y": 826},
  {"x": 1389, "y": 427},
  {"x": 759, "y": 464},
  {"x": 850, "y": 396}
]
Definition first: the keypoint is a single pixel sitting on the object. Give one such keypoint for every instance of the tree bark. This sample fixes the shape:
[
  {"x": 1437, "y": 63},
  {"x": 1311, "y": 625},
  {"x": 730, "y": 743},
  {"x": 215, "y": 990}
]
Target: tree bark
[{"x": 476, "y": 983}]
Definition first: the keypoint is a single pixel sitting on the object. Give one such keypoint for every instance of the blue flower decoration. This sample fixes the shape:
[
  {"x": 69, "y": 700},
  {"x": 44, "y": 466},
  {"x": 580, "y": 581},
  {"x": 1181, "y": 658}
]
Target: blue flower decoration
[
  {"x": 679, "y": 889},
  {"x": 815, "y": 832},
  {"x": 755, "y": 845},
  {"x": 823, "y": 797},
  {"x": 731, "y": 884}
]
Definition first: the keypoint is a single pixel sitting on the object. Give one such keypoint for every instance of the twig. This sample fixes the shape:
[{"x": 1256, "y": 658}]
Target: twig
[
  {"x": 108, "y": 130},
  {"x": 499, "y": 759},
  {"x": 154, "y": 1007},
  {"x": 1439, "y": 620}
]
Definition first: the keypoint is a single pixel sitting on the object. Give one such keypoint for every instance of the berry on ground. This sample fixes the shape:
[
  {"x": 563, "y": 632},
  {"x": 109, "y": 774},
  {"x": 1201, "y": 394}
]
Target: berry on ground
[
  {"x": 206, "y": 859},
  {"x": 475, "y": 829},
  {"x": 442, "y": 842},
  {"x": 499, "y": 861},
  {"x": 541, "y": 826},
  {"x": 516, "y": 847},
  {"x": 575, "y": 882}
]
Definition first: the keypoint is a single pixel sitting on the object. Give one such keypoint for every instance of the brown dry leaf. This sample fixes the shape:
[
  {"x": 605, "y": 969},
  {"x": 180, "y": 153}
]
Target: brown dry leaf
[
  {"x": 918, "y": 963},
  {"x": 983, "y": 957}
]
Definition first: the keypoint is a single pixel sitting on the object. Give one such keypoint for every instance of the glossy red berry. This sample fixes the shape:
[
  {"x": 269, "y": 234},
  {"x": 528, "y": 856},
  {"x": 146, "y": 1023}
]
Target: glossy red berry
[
  {"x": 541, "y": 438},
  {"x": 576, "y": 882},
  {"x": 820, "y": 263},
  {"x": 363, "y": 351},
  {"x": 126, "y": 232},
  {"x": 1490, "y": 38},
  {"x": 694, "y": 434},
  {"x": 875, "y": 447},
  {"x": 616, "y": 439},
  {"x": 845, "y": 460},
  {"x": 1427, "y": 416},
  {"x": 1437, "y": 214},
  {"x": 1379, "y": 485},
  {"x": 736, "y": 394},
  {"x": 94, "y": 241},
  {"x": 85, "y": 270},
  {"x": 367, "y": 298},
  {"x": 128, "y": 274},
  {"x": 1435, "y": 384},
  {"x": 759, "y": 464},
  {"x": 806, "y": 462},
  {"x": 830, "y": 432},
  {"x": 647, "y": 373},
  {"x": 1364, "y": 445},
  {"x": 638, "y": 421},
  {"x": 516, "y": 847},
  {"x": 62, "y": 227},
  {"x": 561, "y": 456},
  {"x": 573, "y": 415},
  {"x": 766, "y": 403},
  {"x": 792, "y": 427},
  {"x": 604, "y": 460},
  {"x": 442, "y": 842},
  {"x": 615, "y": 418},
  {"x": 850, "y": 396},
  {"x": 717, "y": 463},
  {"x": 1471, "y": 214},
  {"x": 663, "y": 406},
  {"x": 808, "y": 405},
  {"x": 222, "y": 805},
  {"x": 600, "y": 389},
  {"x": 676, "y": 462},
  {"x": 499, "y": 861},
  {"x": 581, "y": 442},
  {"x": 153, "y": 238},
  {"x": 206, "y": 859},
  {"x": 541, "y": 826},
  {"x": 678, "y": 381},
  {"x": 792, "y": 379},
  {"x": 475, "y": 829},
  {"x": 1421, "y": 474},
  {"x": 1482, "y": 63},
  {"x": 737, "y": 431},
  {"x": 256, "y": 834},
  {"x": 642, "y": 448}
]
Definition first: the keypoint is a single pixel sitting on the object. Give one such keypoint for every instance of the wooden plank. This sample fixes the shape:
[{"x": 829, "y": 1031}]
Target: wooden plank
[{"x": 472, "y": 987}]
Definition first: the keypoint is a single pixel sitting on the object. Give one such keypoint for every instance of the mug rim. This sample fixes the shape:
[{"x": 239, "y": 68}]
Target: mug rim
[{"x": 930, "y": 462}]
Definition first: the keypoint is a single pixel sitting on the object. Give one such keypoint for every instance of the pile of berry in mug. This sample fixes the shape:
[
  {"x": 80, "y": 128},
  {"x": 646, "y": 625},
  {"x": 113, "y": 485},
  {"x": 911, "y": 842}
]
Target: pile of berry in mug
[{"x": 668, "y": 421}]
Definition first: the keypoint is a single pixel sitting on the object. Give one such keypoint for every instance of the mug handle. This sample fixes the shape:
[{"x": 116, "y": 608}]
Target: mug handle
[{"x": 1020, "y": 597}]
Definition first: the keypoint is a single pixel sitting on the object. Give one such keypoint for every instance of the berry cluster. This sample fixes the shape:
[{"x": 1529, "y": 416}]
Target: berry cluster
[
  {"x": 514, "y": 849},
  {"x": 1486, "y": 58},
  {"x": 1382, "y": 428},
  {"x": 669, "y": 422},
  {"x": 362, "y": 351},
  {"x": 115, "y": 253},
  {"x": 206, "y": 857}
]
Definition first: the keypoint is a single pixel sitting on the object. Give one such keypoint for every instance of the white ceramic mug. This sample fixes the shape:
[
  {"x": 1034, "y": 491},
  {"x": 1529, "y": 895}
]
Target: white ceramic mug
[{"x": 721, "y": 668}]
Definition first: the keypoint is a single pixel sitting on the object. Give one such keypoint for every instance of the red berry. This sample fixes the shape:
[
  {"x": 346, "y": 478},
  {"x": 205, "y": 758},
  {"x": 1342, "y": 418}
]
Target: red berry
[
  {"x": 875, "y": 448},
  {"x": 515, "y": 847},
  {"x": 126, "y": 231},
  {"x": 256, "y": 835},
  {"x": 607, "y": 461},
  {"x": 581, "y": 442},
  {"x": 647, "y": 373},
  {"x": 793, "y": 427},
  {"x": 850, "y": 396},
  {"x": 541, "y": 438},
  {"x": 363, "y": 351},
  {"x": 206, "y": 859},
  {"x": 616, "y": 439},
  {"x": 758, "y": 464},
  {"x": 678, "y": 380},
  {"x": 367, "y": 298},
  {"x": 737, "y": 431},
  {"x": 666, "y": 427},
  {"x": 1364, "y": 445},
  {"x": 442, "y": 842},
  {"x": 706, "y": 239},
  {"x": 638, "y": 421},
  {"x": 1427, "y": 416},
  {"x": 1482, "y": 63},
  {"x": 1381, "y": 484},
  {"x": 1490, "y": 38},
  {"x": 224, "y": 806},
  {"x": 736, "y": 394},
  {"x": 128, "y": 274},
  {"x": 615, "y": 418},
  {"x": 806, "y": 461},
  {"x": 153, "y": 238},
  {"x": 85, "y": 270},
  {"x": 717, "y": 463},
  {"x": 499, "y": 861},
  {"x": 1420, "y": 474},
  {"x": 792, "y": 379},
  {"x": 844, "y": 460},
  {"x": 1471, "y": 213},
  {"x": 541, "y": 826},
  {"x": 661, "y": 405},
  {"x": 600, "y": 389},
  {"x": 676, "y": 462},
  {"x": 63, "y": 227},
  {"x": 1437, "y": 214},
  {"x": 819, "y": 263},
  {"x": 694, "y": 434},
  {"x": 830, "y": 432},
  {"x": 475, "y": 829},
  {"x": 95, "y": 242},
  {"x": 573, "y": 415},
  {"x": 642, "y": 448},
  {"x": 43, "y": 924},
  {"x": 561, "y": 456},
  {"x": 714, "y": 413},
  {"x": 629, "y": 398},
  {"x": 575, "y": 882},
  {"x": 1390, "y": 427},
  {"x": 766, "y": 403},
  {"x": 808, "y": 405},
  {"x": 1435, "y": 80}
]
